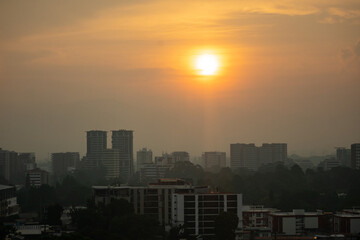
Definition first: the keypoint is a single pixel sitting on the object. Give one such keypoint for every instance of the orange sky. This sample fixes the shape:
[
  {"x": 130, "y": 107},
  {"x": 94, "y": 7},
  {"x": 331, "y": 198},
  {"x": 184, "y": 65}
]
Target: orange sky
[{"x": 289, "y": 73}]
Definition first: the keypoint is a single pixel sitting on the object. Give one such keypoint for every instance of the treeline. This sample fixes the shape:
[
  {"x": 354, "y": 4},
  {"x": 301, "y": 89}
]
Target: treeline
[
  {"x": 273, "y": 185},
  {"x": 71, "y": 190},
  {"x": 277, "y": 186}
]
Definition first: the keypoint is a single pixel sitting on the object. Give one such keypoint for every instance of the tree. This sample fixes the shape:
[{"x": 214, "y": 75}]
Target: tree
[
  {"x": 54, "y": 213},
  {"x": 225, "y": 226}
]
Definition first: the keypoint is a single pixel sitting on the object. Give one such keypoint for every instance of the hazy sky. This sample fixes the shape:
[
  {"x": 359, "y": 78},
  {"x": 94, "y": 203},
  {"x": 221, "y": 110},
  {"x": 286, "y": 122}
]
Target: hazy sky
[{"x": 290, "y": 72}]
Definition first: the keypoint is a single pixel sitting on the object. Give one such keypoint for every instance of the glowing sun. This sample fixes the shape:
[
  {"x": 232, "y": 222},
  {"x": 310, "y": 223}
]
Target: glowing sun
[{"x": 207, "y": 64}]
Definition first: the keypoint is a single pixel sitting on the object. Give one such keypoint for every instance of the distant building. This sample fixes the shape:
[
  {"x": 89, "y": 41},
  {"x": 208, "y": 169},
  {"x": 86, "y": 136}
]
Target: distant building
[
  {"x": 110, "y": 160},
  {"x": 165, "y": 160},
  {"x": 343, "y": 156},
  {"x": 62, "y": 163},
  {"x": 37, "y": 177},
  {"x": 122, "y": 140},
  {"x": 180, "y": 157},
  {"x": 198, "y": 211},
  {"x": 255, "y": 216},
  {"x": 355, "y": 155},
  {"x": 272, "y": 152},
  {"x": 96, "y": 142},
  {"x": 11, "y": 169},
  {"x": 151, "y": 171},
  {"x": 143, "y": 156},
  {"x": 28, "y": 160},
  {"x": 244, "y": 156},
  {"x": 329, "y": 164},
  {"x": 252, "y": 157},
  {"x": 213, "y": 160},
  {"x": 297, "y": 222},
  {"x": 8, "y": 202}
]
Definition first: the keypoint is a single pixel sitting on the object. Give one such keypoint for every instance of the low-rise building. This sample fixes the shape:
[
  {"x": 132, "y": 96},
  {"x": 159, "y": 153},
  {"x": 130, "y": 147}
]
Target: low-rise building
[
  {"x": 154, "y": 200},
  {"x": 8, "y": 201},
  {"x": 256, "y": 216},
  {"x": 347, "y": 222},
  {"x": 37, "y": 177},
  {"x": 298, "y": 222},
  {"x": 197, "y": 211}
]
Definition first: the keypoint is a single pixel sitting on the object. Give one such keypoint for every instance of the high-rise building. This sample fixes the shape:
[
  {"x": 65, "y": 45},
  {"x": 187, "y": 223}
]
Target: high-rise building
[
  {"x": 215, "y": 160},
  {"x": 251, "y": 157},
  {"x": 244, "y": 156},
  {"x": 110, "y": 160},
  {"x": 355, "y": 155},
  {"x": 96, "y": 144},
  {"x": 28, "y": 159},
  {"x": 272, "y": 152},
  {"x": 143, "y": 156},
  {"x": 343, "y": 156},
  {"x": 180, "y": 156},
  {"x": 64, "y": 162},
  {"x": 10, "y": 167},
  {"x": 122, "y": 140},
  {"x": 279, "y": 152}
]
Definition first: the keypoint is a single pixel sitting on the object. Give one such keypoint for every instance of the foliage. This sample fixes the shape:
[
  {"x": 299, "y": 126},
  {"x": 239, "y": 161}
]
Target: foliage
[
  {"x": 114, "y": 221},
  {"x": 54, "y": 213},
  {"x": 225, "y": 226},
  {"x": 187, "y": 171}
]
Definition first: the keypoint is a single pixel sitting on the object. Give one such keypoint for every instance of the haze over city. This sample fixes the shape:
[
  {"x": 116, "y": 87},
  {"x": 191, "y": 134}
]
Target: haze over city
[{"x": 282, "y": 71}]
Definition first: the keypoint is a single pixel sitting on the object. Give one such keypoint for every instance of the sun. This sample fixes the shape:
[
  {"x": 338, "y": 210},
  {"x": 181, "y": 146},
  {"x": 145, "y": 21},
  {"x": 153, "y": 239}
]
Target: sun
[{"x": 207, "y": 64}]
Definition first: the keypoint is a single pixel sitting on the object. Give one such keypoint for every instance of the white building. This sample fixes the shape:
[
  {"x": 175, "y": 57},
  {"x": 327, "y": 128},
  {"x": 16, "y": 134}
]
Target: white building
[{"x": 197, "y": 212}]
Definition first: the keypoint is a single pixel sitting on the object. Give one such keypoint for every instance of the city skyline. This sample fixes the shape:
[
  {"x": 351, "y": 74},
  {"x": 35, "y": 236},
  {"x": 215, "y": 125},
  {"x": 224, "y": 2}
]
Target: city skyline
[{"x": 192, "y": 76}]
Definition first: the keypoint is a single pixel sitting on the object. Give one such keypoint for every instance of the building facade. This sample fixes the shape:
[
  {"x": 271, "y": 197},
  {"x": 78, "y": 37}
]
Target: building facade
[
  {"x": 29, "y": 160},
  {"x": 154, "y": 200},
  {"x": 255, "y": 216},
  {"x": 8, "y": 202},
  {"x": 215, "y": 160},
  {"x": 180, "y": 156},
  {"x": 122, "y": 140},
  {"x": 110, "y": 160},
  {"x": 62, "y": 163},
  {"x": 197, "y": 211},
  {"x": 297, "y": 223},
  {"x": 252, "y": 157},
  {"x": 37, "y": 177},
  {"x": 355, "y": 156},
  {"x": 343, "y": 156},
  {"x": 143, "y": 156},
  {"x": 96, "y": 143}
]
